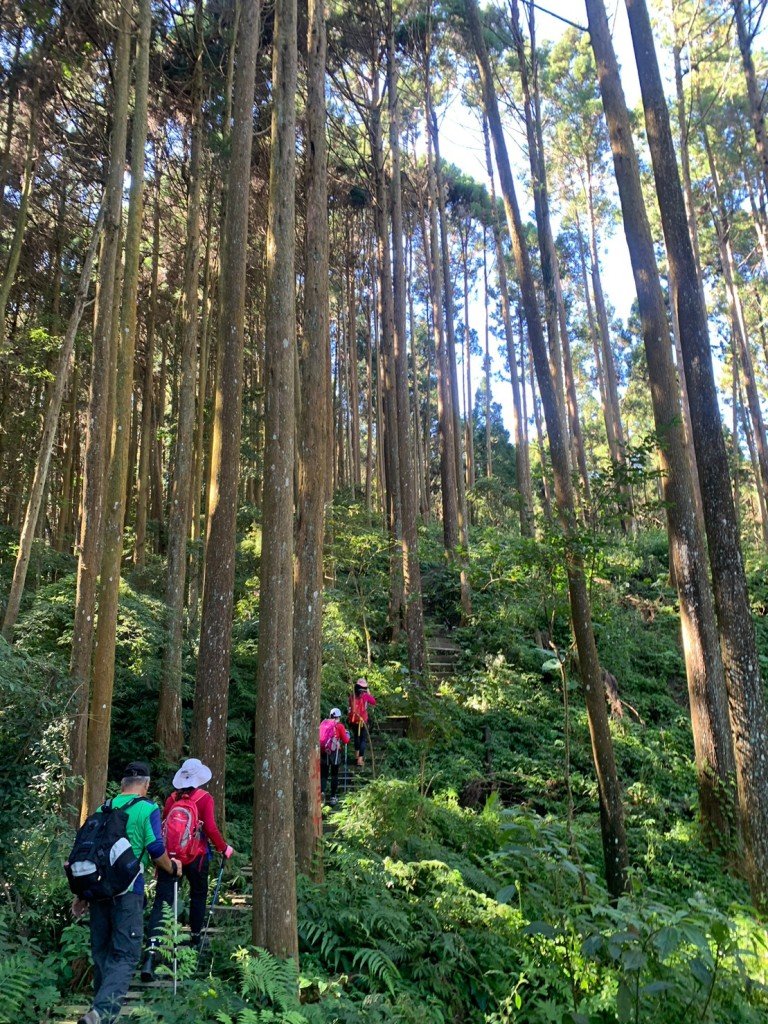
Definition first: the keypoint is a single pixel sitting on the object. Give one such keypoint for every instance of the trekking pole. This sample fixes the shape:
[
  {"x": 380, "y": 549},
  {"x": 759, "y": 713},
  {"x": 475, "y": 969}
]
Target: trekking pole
[
  {"x": 216, "y": 888},
  {"x": 346, "y": 770},
  {"x": 175, "y": 930}
]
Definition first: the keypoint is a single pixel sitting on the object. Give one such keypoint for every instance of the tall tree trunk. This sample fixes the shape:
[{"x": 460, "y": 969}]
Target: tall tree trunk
[
  {"x": 67, "y": 505},
  {"x": 100, "y": 712},
  {"x": 197, "y": 510},
  {"x": 148, "y": 393},
  {"x": 749, "y": 722},
  {"x": 469, "y": 419},
  {"x": 611, "y": 809},
  {"x": 755, "y": 92},
  {"x": 97, "y": 441},
  {"x": 546, "y": 497},
  {"x": 409, "y": 537},
  {"x": 354, "y": 396},
  {"x": 540, "y": 198},
  {"x": 22, "y": 215},
  {"x": 50, "y": 426},
  {"x": 416, "y": 398},
  {"x": 522, "y": 461},
  {"x": 448, "y": 489},
  {"x": 487, "y": 365},
  {"x": 311, "y": 443},
  {"x": 704, "y": 670},
  {"x": 274, "y": 870},
  {"x": 169, "y": 733},
  {"x": 209, "y": 723},
  {"x": 739, "y": 326},
  {"x": 613, "y": 423},
  {"x": 387, "y": 377},
  {"x": 443, "y": 254}
]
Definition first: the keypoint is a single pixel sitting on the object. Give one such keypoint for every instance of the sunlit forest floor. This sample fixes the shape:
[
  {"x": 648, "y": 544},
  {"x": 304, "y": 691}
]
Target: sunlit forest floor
[{"x": 465, "y": 882}]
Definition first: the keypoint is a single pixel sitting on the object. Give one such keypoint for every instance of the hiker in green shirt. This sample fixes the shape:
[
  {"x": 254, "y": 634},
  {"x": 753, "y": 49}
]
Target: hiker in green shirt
[{"x": 117, "y": 925}]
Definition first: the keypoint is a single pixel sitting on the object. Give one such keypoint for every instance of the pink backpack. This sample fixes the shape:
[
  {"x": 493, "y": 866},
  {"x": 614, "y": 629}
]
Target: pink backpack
[{"x": 329, "y": 740}]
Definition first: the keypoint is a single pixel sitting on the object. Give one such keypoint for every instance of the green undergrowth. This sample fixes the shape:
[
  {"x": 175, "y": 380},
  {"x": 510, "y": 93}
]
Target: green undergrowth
[{"x": 465, "y": 882}]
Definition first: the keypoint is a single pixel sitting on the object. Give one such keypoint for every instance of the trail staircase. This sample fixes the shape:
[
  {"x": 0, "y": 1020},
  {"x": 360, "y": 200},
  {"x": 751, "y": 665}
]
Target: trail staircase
[{"x": 234, "y": 906}]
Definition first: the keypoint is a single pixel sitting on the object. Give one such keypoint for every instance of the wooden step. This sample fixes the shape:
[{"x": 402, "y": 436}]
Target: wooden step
[
  {"x": 393, "y": 725},
  {"x": 443, "y": 643}
]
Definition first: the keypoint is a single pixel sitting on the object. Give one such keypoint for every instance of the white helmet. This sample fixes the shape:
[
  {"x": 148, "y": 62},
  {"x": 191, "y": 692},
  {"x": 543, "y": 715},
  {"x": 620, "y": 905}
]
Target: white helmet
[{"x": 335, "y": 713}]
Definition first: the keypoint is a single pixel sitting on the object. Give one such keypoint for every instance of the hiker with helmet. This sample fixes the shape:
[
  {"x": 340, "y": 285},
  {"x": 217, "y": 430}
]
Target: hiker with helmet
[
  {"x": 189, "y": 829},
  {"x": 332, "y": 736},
  {"x": 359, "y": 700},
  {"x": 106, "y": 873}
]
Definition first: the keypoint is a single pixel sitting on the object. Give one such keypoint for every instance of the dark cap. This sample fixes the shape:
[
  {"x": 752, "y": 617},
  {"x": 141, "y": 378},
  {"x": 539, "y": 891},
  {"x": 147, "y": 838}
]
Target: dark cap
[{"x": 137, "y": 770}]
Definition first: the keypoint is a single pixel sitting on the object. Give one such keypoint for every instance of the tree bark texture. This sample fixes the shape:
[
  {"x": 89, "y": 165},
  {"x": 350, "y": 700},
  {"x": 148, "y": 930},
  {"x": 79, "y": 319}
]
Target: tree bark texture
[
  {"x": 100, "y": 714},
  {"x": 169, "y": 733},
  {"x": 274, "y": 870},
  {"x": 209, "y": 723},
  {"x": 409, "y": 501},
  {"x": 311, "y": 442},
  {"x": 147, "y": 440},
  {"x": 97, "y": 440},
  {"x": 704, "y": 669},
  {"x": 50, "y": 426},
  {"x": 749, "y": 723},
  {"x": 611, "y": 809}
]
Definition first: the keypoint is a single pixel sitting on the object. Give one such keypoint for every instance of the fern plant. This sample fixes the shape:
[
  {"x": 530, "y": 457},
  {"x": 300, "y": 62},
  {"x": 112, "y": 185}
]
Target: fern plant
[{"x": 17, "y": 977}]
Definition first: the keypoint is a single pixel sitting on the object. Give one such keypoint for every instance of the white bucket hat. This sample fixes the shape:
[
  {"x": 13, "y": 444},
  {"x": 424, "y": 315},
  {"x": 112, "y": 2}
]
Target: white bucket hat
[{"x": 192, "y": 773}]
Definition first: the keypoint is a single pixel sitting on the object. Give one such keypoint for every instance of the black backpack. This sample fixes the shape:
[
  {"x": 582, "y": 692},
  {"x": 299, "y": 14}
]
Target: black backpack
[{"x": 102, "y": 863}]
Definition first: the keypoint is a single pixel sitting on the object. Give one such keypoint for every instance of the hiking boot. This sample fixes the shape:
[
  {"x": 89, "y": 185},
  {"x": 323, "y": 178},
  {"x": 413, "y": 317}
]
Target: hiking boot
[
  {"x": 148, "y": 968},
  {"x": 92, "y": 1017}
]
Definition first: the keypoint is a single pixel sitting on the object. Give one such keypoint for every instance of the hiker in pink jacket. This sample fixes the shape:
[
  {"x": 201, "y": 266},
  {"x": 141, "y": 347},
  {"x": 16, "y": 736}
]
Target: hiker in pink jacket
[
  {"x": 333, "y": 736},
  {"x": 359, "y": 700}
]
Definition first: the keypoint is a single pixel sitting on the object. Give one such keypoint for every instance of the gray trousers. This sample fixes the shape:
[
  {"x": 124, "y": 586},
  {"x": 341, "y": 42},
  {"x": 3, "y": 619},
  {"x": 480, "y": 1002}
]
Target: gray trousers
[{"x": 116, "y": 932}]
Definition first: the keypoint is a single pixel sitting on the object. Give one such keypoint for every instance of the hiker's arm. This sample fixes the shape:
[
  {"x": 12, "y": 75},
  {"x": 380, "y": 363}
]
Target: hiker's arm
[
  {"x": 205, "y": 808},
  {"x": 156, "y": 846},
  {"x": 369, "y": 698},
  {"x": 79, "y": 907},
  {"x": 169, "y": 864}
]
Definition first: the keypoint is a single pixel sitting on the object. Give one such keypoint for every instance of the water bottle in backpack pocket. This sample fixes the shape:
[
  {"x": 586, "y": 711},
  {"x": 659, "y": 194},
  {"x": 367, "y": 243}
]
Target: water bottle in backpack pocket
[
  {"x": 102, "y": 863},
  {"x": 182, "y": 828}
]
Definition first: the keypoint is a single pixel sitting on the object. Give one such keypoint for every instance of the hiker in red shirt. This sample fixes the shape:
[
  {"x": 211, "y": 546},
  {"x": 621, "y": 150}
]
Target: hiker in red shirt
[
  {"x": 189, "y": 826},
  {"x": 359, "y": 700},
  {"x": 332, "y": 736}
]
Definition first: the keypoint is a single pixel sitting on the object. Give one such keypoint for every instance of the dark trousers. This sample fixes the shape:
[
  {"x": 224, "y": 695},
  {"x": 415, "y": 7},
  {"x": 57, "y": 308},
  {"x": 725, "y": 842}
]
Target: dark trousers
[
  {"x": 360, "y": 737},
  {"x": 329, "y": 765},
  {"x": 197, "y": 875},
  {"x": 116, "y": 931}
]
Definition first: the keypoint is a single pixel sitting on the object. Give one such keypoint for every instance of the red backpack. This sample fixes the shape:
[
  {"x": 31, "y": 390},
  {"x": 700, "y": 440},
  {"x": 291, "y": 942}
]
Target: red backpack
[{"x": 182, "y": 829}]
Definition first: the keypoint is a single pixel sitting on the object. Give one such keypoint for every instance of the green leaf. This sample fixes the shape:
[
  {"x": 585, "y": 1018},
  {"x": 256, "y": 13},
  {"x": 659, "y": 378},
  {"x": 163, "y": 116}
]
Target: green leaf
[
  {"x": 634, "y": 959},
  {"x": 540, "y": 928},
  {"x": 701, "y": 971},
  {"x": 665, "y": 941}
]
